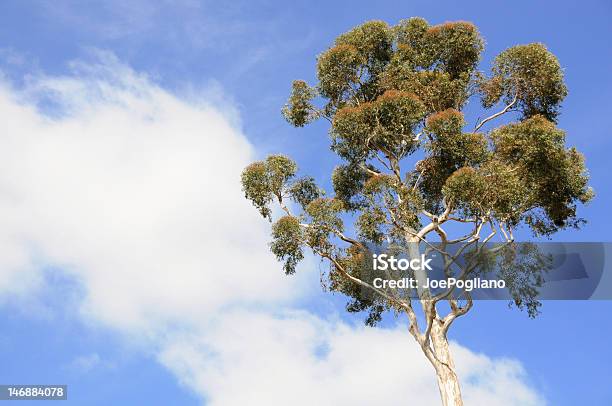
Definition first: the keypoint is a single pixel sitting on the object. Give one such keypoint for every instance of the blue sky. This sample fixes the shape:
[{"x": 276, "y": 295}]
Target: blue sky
[{"x": 241, "y": 57}]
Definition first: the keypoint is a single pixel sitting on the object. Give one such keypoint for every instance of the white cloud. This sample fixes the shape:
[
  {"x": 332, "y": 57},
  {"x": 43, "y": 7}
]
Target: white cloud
[
  {"x": 134, "y": 193},
  {"x": 299, "y": 359}
]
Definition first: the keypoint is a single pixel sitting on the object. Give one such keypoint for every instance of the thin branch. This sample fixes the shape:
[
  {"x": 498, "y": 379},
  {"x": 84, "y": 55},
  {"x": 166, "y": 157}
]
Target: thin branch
[
  {"x": 338, "y": 234},
  {"x": 360, "y": 282},
  {"x": 499, "y": 113},
  {"x": 468, "y": 220},
  {"x": 369, "y": 170},
  {"x": 427, "y": 214},
  {"x": 416, "y": 182},
  {"x": 382, "y": 162},
  {"x": 456, "y": 313}
]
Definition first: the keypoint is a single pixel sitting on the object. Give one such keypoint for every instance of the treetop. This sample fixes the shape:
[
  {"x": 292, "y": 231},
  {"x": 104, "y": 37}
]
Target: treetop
[{"x": 394, "y": 96}]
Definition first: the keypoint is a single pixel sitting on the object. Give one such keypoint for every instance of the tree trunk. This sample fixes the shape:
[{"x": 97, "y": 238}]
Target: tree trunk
[{"x": 448, "y": 382}]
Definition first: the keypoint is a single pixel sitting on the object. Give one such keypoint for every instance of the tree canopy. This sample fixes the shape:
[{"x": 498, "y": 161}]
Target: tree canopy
[{"x": 394, "y": 97}]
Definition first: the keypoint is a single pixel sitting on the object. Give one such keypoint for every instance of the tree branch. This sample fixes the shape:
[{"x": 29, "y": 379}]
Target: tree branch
[{"x": 499, "y": 113}]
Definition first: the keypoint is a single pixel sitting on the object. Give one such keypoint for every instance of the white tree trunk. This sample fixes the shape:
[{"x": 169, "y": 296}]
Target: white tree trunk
[{"x": 448, "y": 382}]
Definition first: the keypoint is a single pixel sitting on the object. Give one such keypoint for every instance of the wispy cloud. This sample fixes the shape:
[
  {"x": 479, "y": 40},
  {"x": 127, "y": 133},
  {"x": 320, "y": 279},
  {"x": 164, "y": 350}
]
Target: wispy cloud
[
  {"x": 184, "y": 23},
  {"x": 88, "y": 362}
]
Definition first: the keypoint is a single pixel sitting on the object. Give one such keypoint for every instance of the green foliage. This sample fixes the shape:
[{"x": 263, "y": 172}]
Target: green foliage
[
  {"x": 279, "y": 169},
  {"x": 531, "y": 176},
  {"x": 435, "y": 63},
  {"x": 437, "y": 90},
  {"x": 299, "y": 109},
  {"x": 348, "y": 182},
  {"x": 555, "y": 178},
  {"x": 324, "y": 212},
  {"x": 370, "y": 225},
  {"x": 492, "y": 188},
  {"x": 350, "y": 69},
  {"x": 452, "y": 47},
  {"x": 256, "y": 187},
  {"x": 385, "y": 124},
  {"x": 337, "y": 71},
  {"x": 394, "y": 97},
  {"x": 449, "y": 149},
  {"x": 304, "y": 191},
  {"x": 357, "y": 263},
  {"x": 287, "y": 242},
  {"x": 373, "y": 42},
  {"x": 454, "y": 147},
  {"x": 465, "y": 187},
  {"x": 410, "y": 35},
  {"x": 446, "y": 123},
  {"x": 532, "y": 74},
  {"x": 324, "y": 216},
  {"x": 523, "y": 268},
  {"x": 273, "y": 178}
]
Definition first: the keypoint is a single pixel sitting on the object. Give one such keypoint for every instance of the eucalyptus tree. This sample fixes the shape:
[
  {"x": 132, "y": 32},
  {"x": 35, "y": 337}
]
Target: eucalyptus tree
[{"x": 410, "y": 164}]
